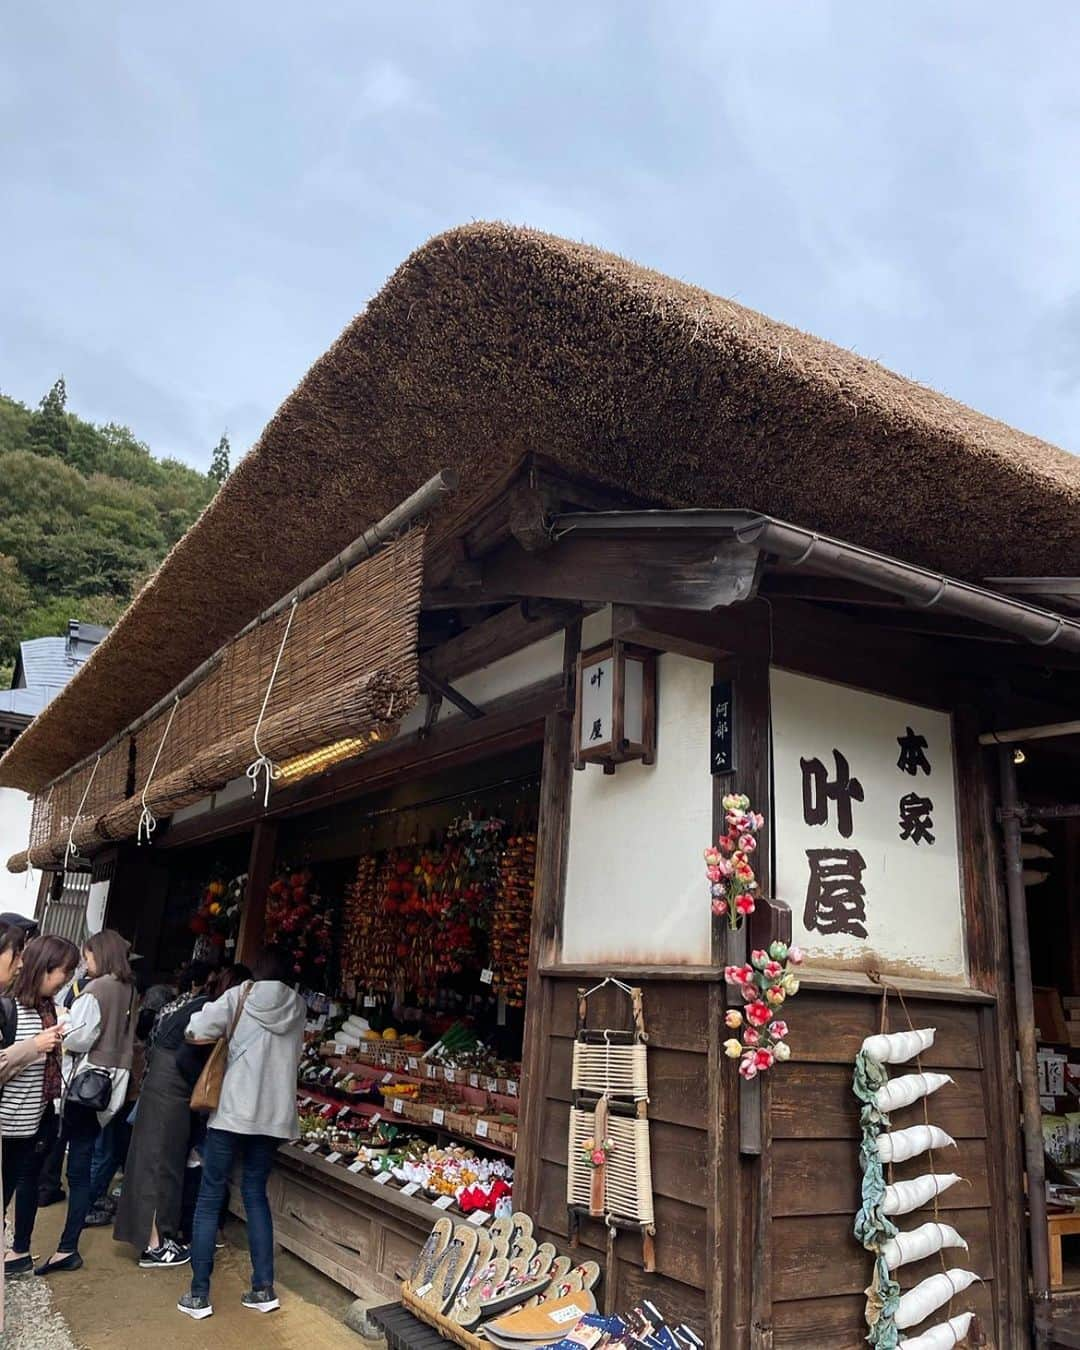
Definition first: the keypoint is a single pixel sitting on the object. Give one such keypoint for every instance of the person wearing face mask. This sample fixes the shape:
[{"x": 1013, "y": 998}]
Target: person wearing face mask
[{"x": 26, "y": 1105}]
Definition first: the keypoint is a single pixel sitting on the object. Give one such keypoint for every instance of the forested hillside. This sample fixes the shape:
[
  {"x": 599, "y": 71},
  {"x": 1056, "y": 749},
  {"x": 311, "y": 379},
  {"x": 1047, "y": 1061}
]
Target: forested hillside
[{"x": 86, "y": 514}]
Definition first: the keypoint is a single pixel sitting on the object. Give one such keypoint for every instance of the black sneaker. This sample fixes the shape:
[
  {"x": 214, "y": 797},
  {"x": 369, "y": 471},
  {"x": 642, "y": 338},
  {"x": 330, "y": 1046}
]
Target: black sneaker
[
  {"x": 98, "y": 1218},
  {"x": 194, "y": 1305},
  {"x": 170, "y": 1253},
  {"x": 47, "y": 1198},
  {"x": 261, "y": 1300}
]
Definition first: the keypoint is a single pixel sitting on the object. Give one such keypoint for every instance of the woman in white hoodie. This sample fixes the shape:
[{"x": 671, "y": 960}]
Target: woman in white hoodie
[{"x": 256, "y": 1114}]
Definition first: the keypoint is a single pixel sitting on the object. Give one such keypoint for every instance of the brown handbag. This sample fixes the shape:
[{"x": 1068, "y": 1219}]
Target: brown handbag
[{"x": 206, "y": 1095}]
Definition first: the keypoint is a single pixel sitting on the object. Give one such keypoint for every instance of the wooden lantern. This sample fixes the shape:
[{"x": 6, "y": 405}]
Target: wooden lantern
[{"x": 615, "y": 716}]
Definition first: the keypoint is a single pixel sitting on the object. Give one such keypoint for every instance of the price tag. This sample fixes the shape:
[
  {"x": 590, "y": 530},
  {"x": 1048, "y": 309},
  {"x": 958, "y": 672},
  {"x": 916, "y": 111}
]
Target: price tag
[
  {"x": 411, "y": 1188},
  {"x": 493, "y": 1085},
  {"x": 424, "y": 1289},
  {"x": 438, "y": 1116},
  {"x": 486, "y": 976},
  {"x": 306, "y": 1101},
  {"x": 357, "y": 1166},
  {"x": 481, "y": 1129},
  {"x": 382, "y": 1178},
  {"x": 450, "y": 1075},
  {"x": 431, "y": 1070},
  {"x": 414, "y": 1064},
  {"x": 474, "y": 1080},
  {"x": 311, "y": 1148},
  {"x": 369, "y": 1001},
  {"x": 479, "y": 1217},
  {"x": 511, "y": 1088},
  {"x": 444, "y": 1202},
  {"x": 571, "y": 1313},
  {"x": 333, "y": 1157},
  {"x": 340, "y": 1048},
  {"x": 399, "y": 1107},
  {"x": 388, "y": 1077},
  {"x": 375, "y": 1119},
  {"x": 344, "y": 1111},
  {"x": 327, "y": 1110}
]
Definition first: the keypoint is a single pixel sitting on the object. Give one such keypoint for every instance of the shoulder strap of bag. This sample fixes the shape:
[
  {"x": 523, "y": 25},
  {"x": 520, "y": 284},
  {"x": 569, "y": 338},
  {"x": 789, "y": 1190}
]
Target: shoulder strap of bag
[{"x": 239, "y": 1009}]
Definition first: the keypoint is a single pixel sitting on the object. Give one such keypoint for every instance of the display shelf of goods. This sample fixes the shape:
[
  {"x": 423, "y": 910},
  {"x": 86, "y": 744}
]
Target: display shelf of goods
[
  {"x": 216, "y": 922},
  {"x": 511, "y": 919}
]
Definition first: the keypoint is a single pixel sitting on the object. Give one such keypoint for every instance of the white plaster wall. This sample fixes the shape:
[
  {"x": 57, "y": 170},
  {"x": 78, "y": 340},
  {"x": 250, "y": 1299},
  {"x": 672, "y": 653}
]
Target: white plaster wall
[
  {"x": 635, "y": 888},
  {"x": 18, "y": 890}
]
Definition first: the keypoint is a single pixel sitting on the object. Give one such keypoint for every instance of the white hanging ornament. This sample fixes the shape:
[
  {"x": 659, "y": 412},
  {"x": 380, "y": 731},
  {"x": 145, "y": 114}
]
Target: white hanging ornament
[
  {"x": 918, "y": 1303},
  {"x": 925, "y": 1240},
  {"x": 943, "y": 1337},
  {"x": 904, "y": 1196},
  {"x": 1031, "y": 851},
  {"x": 898, "y": 1047},
  {"x": 901, "y": 1145},
  {"x": 909, "y": 1088},
  {"x": 1031, "y": 877}
]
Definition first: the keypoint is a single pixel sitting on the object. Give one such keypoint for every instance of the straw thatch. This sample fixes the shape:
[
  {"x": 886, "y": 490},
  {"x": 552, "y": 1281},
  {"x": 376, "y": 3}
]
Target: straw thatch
[{"x": 490, "y": 342}]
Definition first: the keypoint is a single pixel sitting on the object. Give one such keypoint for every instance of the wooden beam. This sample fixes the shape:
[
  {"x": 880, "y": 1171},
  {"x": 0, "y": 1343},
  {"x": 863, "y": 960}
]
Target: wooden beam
[
  {"x": 515, "y": 627},
  {"x": 433, "y": 684},
  {"x": 680, "y": 573},
  {"x": 260, "y": 874}
]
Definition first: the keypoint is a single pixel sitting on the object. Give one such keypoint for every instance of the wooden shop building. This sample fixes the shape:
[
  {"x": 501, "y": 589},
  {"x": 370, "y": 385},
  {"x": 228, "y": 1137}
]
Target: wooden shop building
[{"x": 810, "y": 581}]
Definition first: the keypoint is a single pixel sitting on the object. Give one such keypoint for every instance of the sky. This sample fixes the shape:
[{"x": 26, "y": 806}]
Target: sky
[{"x": 197, "y": 199}]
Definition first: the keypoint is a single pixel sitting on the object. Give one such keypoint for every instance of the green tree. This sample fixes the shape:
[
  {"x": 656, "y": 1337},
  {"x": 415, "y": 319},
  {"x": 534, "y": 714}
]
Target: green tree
[
  {"x": 50, "y": 433},
  {"x": 219, "y": 461},
  {"x": 15, "y": 603}
]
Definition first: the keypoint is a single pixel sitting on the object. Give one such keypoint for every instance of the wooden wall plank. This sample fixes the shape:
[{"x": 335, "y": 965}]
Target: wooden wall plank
[
  {"x": 821, "y": 1176},
  {"x": 676, "y": 1012},
  {"x": 838, "y": 1323},
  {"x": 815, "y": 1101},
  {"x": 817, "y": 1257},
  {"x": 830, "y": 1029}
]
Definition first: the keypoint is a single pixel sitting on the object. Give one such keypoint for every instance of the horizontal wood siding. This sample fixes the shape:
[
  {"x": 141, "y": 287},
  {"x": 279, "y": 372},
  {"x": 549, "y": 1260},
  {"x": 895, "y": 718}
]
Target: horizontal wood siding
[
  {"x": 819, "y": 1269},
  {"x": 676, "y": 1017}
]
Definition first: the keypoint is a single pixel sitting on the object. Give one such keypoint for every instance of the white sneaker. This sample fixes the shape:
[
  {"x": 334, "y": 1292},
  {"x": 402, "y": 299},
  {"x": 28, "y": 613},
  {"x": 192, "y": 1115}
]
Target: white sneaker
[
  {"x": 194, "y": 1305},
  {"x": 262, "y": 1300}
]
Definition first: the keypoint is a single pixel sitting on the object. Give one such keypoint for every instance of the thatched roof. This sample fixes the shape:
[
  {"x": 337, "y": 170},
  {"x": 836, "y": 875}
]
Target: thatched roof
[{"x": 489, "y": 342}]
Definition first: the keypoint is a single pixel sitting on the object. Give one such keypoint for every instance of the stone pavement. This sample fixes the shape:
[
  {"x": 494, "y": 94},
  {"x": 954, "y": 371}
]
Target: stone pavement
[{"x": 113, "y": 1305}]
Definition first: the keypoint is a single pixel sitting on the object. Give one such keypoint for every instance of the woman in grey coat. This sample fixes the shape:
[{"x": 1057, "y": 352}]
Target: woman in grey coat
[{"x": 256, "y": 1114}]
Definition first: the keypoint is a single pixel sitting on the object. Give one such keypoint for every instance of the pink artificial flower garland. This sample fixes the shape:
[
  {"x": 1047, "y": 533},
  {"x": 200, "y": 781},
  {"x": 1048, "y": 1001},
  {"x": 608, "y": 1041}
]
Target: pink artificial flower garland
[
  {"x": 732, "y": 882},
  {"x": 765, "y": 984}
]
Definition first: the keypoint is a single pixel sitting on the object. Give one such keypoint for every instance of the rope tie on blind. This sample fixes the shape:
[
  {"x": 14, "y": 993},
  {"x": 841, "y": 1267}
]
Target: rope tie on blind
[
  {"x": 70, "y": 851},
  {"x": 147, "y": 819},
  {"x": 262, "y": 763}
]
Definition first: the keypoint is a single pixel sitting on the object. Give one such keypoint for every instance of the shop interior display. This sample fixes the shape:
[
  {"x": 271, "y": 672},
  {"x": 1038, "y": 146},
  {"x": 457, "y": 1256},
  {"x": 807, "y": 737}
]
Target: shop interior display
[
  {"x": 499, "y": 1286},
  {"x": 416, "y": 980}
]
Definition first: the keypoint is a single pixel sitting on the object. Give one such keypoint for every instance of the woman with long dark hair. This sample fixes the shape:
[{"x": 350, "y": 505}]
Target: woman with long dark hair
[
  {"x": 26, "y": 1106},
  {"x": 14, "y": 1055},
  {"x": 100, "y": 1038},
  {"x": 150, "y": 1217}
]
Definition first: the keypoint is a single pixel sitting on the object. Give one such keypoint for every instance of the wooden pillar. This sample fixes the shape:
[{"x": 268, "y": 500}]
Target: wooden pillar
[
  {"x": 259, "y": 876},
  {"x": 740, "y": 1215},
  {"x": 545, "y": 937}
]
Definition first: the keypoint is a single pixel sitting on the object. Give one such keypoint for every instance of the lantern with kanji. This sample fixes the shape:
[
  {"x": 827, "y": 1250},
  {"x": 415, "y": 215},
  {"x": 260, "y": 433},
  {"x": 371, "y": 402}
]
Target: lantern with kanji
[{"x": 616, "y": 706}]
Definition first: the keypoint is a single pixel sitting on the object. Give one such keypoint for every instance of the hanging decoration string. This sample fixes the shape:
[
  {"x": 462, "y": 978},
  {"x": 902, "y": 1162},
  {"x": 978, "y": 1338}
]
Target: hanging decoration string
[
  {"x": 71, "y": 850},
  {"x": 147, "y": 819},
  {"x": 262, "y": 763}
]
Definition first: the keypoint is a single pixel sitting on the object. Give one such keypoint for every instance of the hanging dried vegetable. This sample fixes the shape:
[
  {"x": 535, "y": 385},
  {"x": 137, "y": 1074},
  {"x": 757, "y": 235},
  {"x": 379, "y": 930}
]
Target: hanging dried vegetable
[{"x": 511, "y": 918}]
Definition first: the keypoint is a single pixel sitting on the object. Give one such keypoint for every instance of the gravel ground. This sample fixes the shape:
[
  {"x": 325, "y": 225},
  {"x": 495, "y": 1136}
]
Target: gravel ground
[{"x": 29, "y": 1318}]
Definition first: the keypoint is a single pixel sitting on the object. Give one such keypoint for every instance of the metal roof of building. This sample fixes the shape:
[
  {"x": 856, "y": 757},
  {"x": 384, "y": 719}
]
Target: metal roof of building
[{"x": 44, "y": 665}]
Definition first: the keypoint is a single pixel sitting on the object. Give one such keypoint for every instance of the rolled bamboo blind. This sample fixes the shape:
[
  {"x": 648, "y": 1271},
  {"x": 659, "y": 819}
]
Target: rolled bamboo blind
[{"x": 348, "y": 671}]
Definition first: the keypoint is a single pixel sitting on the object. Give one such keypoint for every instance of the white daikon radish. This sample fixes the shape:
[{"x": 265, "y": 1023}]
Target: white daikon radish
[
  {"x": 904, "y": 1196},
  {"x": 943, "y": 1337},
  {"x": 922, "y": 1241},
  {"x": 901, "y": 1145},
  {"x": 907, "y": 1089},
  {"x": 918, "y": 1303},
  {"x": 898, "y": 1047}
]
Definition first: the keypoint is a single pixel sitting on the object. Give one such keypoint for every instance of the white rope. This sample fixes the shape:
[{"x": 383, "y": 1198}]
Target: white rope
[
  {"x": 263, "y": 764},
  {"x": 71, "y": 850},
  {"x": 147, "y": 819}
]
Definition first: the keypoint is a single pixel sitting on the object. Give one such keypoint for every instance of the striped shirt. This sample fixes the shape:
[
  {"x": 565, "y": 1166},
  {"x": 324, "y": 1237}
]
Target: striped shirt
[{"x": 23, "y": 1101}]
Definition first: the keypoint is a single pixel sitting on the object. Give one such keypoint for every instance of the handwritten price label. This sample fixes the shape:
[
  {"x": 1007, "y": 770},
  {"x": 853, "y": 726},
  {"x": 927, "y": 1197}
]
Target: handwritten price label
[
  {"x": 450, "y": 1075},
  {"x": 382, "y": 1178},
  {"x": 388, "y": 1077},
  {"x": 358, "y": 1165},
  {"x": 444, "y": 1202},
  {"x": 511, "y": 1088},
  {"x": 481, "y": 1129},
  {"x": 333, "y": 1157},
  {"x": 340, "y": 1048},
  {"x": 474, "y": 1080},
  {"x": 438, "y": 1116},
  {"x": 431, "y": 1070},
  {"x": 311, "y": 1148},
  {"x": 411, "y": 1188},
  {"x": 414, "y": 1064},
  {"x": 479, "y": 1217},
  {"x": 486, "y": 976},
  {"x": 399, "y": 1107}
]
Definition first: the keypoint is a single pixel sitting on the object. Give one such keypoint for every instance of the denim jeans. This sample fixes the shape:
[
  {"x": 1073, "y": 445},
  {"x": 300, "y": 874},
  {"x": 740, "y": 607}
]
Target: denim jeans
[
  {"x": 221, "y": 1151},
  {"x": 23, "y": 1161},
  {"x": 109, "y": 1152},
  {"x": 81, "y": 1130}
]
